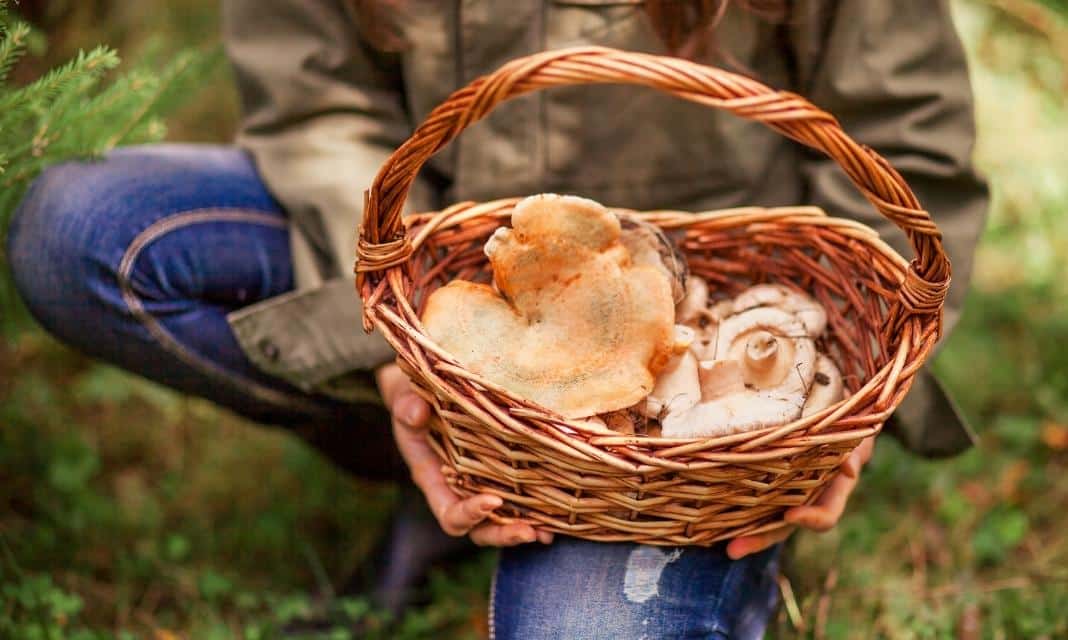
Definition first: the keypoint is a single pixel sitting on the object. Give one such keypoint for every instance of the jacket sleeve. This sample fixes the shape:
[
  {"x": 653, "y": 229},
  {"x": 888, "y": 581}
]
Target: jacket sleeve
[
  {"x": 322, "y": 111},
  {"x": 895, "y": 76}
]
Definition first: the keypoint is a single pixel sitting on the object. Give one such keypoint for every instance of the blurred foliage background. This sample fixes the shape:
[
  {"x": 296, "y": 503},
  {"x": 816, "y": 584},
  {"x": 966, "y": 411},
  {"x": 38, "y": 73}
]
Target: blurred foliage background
[{"x": 129, "y": 511}]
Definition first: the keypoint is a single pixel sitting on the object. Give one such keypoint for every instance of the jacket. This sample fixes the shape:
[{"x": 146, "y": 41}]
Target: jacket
[{"x": 323, "y": 108}]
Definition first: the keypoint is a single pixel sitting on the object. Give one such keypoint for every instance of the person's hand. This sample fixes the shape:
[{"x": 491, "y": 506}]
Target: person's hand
[
  {"x": 457, "y": 516},
  {"x": 821, "y": 515}
]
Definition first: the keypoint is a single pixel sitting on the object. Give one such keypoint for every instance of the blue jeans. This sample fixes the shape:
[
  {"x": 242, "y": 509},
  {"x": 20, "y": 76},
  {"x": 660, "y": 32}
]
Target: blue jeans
[
  {"x": 137, "y": 259},
  {"x": 579, "y": 590}
]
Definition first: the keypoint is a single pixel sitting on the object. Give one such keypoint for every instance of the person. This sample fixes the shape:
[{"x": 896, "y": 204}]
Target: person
[{"x": 225, "y": 272}]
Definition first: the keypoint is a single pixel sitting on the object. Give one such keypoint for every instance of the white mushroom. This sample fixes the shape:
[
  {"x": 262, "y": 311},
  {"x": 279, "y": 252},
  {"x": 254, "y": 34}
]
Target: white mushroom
[
  {"x": 594, "y": 421},
  {"x": 776, "y": 362},
  {"x": 704, "y": 344},
  {"x": 648, "y": 245},
  {"x": 693, "y": 310},
  {"x": 765, "y": 338},
  {"x": 811, "y": 314},
  {"x": 827, "y": 387},
  {"x": 683, "y": 338},
  {"x": 677, "y": 387},
  {"x": 720, "y": 311},
  {"x": 695, "y": 302},
  {"x": 720, "y": 378}
]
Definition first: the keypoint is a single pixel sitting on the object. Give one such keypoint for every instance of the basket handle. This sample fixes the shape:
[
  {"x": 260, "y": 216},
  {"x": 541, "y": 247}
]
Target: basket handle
[{"x": 382, "y": 240}]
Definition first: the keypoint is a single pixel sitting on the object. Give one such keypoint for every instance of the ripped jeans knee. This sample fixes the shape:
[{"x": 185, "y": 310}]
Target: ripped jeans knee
[{"x": 580, "y": 590}]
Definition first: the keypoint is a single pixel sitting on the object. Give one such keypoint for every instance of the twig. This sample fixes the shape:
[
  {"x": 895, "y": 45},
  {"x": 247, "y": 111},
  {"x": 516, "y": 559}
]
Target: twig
[
  {"x": 823, "y": 609},
  {"x": 954, "y": 589},
  {"x": 790, "y": 601}
]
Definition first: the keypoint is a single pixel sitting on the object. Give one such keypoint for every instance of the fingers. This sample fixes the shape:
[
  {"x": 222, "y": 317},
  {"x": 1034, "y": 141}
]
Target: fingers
[
  {"x": 390, "y": 380},
  {"x": 460, "y": 516},
  {"x": 859, "y": 457},
  {"x": 456, "y": 516},
  {"x": 741, "y": 547},
  {"x": 866, "y": 449},
  {"x": 852, "y": 464},
  {"x": 544, "y": 537},
  {"x": 468, "y": 516},
  {"x": 410, "y": 415},
  {"x": 508, "y": 535},
  {"x": 821, "y": 515},
  {"x": 403, "y": 403},
  {"x": 826, "y": 511}
]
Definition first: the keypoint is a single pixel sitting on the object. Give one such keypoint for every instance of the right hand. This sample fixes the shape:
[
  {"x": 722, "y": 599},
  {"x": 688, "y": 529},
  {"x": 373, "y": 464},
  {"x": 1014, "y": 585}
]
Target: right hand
[{"x": 457, "y": 516}]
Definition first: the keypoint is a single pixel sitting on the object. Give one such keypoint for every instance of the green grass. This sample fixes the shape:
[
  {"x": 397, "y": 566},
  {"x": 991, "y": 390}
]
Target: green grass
[{"x": 129, "y": 511}]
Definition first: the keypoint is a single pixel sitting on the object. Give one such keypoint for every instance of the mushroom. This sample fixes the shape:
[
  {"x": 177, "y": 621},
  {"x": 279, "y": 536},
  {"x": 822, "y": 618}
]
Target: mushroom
[
  {"x": 770, "y": 365},
  {"x": 649, "y": 245},
  {"x": 678, "y": 387},
  {"x": 694, "y": 303},
  {"x": 594, "y": 421},
  {"x": 682, "y": 338},
  {"x": 719, "y": 378},
  {"x": 620, "y": 422},
  {"x": 704, "y": 344},
  {"x": 693, "y": 311},
  {"x": 811, "y": 314},
  {"x": 827, "y": 387},
  {"x": 575, "y": 323},
  {"x": 721, "y": 310}
]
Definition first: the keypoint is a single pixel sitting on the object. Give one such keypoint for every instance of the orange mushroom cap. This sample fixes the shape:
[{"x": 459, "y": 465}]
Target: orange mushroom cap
[{"x": 575, "y": 324}]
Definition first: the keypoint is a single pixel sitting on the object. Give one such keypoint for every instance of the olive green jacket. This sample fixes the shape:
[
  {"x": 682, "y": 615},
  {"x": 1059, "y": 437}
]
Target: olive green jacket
[{"x": 323, "y": 109}]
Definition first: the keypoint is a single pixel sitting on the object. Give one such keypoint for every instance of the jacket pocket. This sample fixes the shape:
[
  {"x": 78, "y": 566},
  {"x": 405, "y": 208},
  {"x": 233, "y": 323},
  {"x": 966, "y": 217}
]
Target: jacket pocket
[{"x": 310, "y": 337}]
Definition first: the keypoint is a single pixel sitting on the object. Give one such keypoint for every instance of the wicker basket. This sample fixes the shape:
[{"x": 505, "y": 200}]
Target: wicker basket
[{"x": 884, "y": 319}]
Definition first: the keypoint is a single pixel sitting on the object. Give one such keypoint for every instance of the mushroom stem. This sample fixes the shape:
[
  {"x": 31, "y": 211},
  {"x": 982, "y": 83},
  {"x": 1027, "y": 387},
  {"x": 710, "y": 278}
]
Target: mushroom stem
[
  {"x": 720, "y": 378},
  {"x": 761, "y": 351},
  {"x": 695, "y": 302}
]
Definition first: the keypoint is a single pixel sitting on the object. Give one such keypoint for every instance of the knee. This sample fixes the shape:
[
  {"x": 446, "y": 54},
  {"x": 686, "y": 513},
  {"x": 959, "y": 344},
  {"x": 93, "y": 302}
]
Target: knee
[
  {"x": 38, "y": 231},
  {"x": 50, "y": 238}
]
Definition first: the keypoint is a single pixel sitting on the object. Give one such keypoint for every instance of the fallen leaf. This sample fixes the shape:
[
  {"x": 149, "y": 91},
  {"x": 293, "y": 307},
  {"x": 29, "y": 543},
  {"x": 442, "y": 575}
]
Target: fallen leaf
[
  {"x": 977, "y": 493},
  {"x": 1055, "y": 435},
  {"x": 1011, "y": 477}
]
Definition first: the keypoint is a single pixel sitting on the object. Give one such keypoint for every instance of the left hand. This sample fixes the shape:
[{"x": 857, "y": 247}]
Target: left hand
[
  {"x": 457, "y": 516},
  {"x": 821, "y": 515}
]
